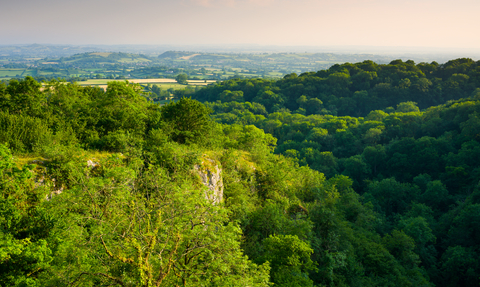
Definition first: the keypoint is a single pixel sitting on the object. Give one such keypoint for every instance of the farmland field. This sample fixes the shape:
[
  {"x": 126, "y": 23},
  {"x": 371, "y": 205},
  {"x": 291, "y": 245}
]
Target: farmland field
[
  {"x": 165, "y": 84},
  {"x": 10, "y": 73},
  {"x": 144, "y": 81},
  {"x": 137, "y": 81}
]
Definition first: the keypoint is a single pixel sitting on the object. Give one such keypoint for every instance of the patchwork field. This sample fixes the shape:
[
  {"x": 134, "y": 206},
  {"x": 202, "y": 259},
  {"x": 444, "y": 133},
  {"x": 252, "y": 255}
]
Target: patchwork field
[
  {"x": 9, "y": 73},
  {"x": 165, "y": 84},
  {"x": 137, "y": 81},
  {"x": 95, "y": 82}
]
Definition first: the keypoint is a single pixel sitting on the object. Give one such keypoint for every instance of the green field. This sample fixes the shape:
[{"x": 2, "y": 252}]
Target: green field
[
  {"x": 138, "y": 81},
  {"x": 174, "y": 86},
  {"x": 10, "y": 73},
  {"x": 136, "y": 60}
]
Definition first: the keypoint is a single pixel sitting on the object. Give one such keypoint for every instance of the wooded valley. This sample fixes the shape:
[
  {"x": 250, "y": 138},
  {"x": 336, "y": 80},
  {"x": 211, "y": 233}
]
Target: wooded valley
[{"x": 363, "y": 174}]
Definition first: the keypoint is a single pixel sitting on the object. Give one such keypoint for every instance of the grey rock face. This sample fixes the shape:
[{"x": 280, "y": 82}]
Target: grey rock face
[{"x": 211, "y": 176}]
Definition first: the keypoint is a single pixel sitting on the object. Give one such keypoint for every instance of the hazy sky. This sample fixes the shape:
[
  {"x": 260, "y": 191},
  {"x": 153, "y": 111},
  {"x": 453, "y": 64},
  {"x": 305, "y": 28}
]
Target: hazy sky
[{"x": 416, "y": 23}]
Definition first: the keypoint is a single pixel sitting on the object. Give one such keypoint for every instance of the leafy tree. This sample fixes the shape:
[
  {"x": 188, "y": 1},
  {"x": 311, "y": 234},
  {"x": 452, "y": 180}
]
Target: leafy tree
[
  {"x": 407, "y": 107},
  {"x": 25, "y": 225},
  {"x": 391, "y": 197},
  {"x": 459, "y": 267},
  {"x": 290, "y": 260},
  {"x": 181, "y": 78},
  {"x": 23, "y": 96},
  {"x": 186, "y": 121},
  {"x": 161, "y": 232}
]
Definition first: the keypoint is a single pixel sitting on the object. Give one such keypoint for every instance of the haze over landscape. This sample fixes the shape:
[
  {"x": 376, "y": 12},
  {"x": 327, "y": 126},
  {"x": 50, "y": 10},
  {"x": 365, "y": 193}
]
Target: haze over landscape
[
  {"x": 308, "y": 143},
  {"x": 359, "y": 24}
]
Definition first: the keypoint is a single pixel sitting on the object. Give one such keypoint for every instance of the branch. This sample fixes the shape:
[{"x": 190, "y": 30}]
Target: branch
[{"x": 123, "y": 259}]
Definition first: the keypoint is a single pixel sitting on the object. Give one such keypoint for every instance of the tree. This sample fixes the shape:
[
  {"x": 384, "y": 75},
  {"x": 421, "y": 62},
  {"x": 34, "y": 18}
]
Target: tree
[
  {"x": 419, "y": 230},
  {"x": 145, "y": 229},
  {"x": 460, "y": 267},
  {"x": 23, "y": 96},
  {"x": 313, "y": 106},
  {"x": 229, "y": 96},
  {"x": 181, "y": 78},
  {"x": 407, "y": 107},
  {"x": 122, "y": 107},
  {"x": 186, "y": 120},
  {"x": 25, "y": 252},
  {"x": 375, "y": 157},
  {"x": 391, "y": 196},
  {"x": 157, "y": 90},
  {"x": 290, "y": 260}
]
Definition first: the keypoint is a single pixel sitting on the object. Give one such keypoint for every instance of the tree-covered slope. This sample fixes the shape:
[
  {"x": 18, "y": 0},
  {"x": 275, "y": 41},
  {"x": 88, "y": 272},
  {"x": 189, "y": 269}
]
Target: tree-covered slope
[
  {"x": 106, "y": 188},
  {"x": 355, "y": 89},
  {"x": 410, "y": 152}
]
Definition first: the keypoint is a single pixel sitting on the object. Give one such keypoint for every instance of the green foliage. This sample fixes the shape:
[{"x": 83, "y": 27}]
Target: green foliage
[
  {"x": 289, "y": 259},
  {"x": 25, "y": 225},
  {"x": 182, "y": 78},
  {"x": 22, "y": 97},
  {"x": 121, "y": 193},
  {"x": 186, "y": 121},
  {"x": 357, "y": 89},
  {"x": 21, "y": 132},
  {"x": 413, "y": 168}
]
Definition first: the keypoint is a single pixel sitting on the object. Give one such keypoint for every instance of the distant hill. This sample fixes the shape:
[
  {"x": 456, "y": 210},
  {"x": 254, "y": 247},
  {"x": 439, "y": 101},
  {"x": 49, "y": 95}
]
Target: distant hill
[
  {"x": 105, "y": 57},
  {"x": 42, "y": 51}
]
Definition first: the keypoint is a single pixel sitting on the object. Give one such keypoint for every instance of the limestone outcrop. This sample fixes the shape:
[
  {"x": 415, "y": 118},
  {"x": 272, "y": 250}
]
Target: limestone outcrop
[{"x": 211, "y": 175}]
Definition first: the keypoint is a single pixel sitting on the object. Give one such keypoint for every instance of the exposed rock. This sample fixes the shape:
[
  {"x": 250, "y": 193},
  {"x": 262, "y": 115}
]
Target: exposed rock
[
  {"x": 91, "y": 163},
  {"x": 211, "y": 176},
  {"x": 53, "y": 193}
]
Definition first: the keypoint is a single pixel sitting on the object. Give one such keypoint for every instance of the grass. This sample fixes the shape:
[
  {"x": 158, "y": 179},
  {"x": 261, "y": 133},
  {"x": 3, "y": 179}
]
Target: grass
[
  {"x": 32, "y": 158},
  {"x": 10, "y": 72},
  {"x": 24, "y": 159},
  {"x": 29, "y": 73},
  {"x": 174, "y": 86}
]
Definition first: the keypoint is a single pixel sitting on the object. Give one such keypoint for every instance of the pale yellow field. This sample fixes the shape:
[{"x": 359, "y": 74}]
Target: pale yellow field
[
  {"x": 136, "y": 81},
  {"x": 142, "y": 81},
  {"x": 188, "y": 57},
  {"x": 200, "y": 82}
]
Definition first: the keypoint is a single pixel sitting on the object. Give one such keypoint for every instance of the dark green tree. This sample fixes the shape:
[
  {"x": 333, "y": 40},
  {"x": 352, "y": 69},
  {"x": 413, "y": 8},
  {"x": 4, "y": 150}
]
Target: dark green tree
[
  {"x": 186, "y": 121},
  {"x": 181, "y": 78}
]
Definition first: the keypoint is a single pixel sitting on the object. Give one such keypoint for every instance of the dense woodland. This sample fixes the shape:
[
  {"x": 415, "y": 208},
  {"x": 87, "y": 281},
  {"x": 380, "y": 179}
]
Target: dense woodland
[{"x": 359, "y": 175}]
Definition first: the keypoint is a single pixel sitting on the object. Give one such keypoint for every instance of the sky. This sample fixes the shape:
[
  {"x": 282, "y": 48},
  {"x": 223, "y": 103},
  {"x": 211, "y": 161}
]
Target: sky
[{"x": 386, "y": 23}]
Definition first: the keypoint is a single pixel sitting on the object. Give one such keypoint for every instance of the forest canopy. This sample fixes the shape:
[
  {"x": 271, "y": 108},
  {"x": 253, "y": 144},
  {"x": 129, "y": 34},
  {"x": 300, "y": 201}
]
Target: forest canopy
[{"x": 351, "y": 176}]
